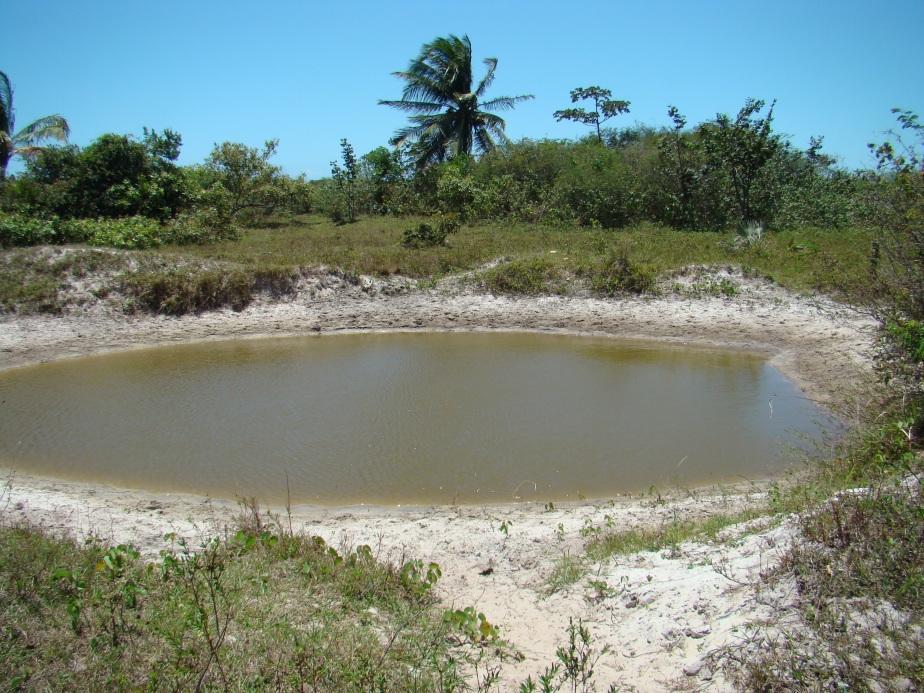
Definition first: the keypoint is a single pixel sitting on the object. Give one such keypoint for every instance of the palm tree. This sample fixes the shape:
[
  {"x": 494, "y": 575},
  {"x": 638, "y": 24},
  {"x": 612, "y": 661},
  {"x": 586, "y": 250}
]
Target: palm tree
[
  {"x": 24, "y": 142},
  {"x": 449, "y": 117}
]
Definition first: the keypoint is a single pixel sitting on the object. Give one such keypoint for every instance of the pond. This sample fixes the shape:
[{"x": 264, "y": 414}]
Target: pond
[{"x": 401, "y": 418}]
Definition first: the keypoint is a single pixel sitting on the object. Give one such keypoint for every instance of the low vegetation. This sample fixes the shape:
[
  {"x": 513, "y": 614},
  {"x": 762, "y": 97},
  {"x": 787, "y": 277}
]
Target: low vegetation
[{"x": 262, "y": 608}]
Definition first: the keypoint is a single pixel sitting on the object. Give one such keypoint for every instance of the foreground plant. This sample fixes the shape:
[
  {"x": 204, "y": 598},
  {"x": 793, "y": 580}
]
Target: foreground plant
[{"x": 263, "y": 609}]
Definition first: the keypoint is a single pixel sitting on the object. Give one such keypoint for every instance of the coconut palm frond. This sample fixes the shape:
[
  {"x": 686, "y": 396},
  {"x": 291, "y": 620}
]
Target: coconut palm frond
[
  {"x": 52, "y": 127},
  {"x": 6, "y": 104},
  {"x": 505, "y": 103},
  {"x": 26, "y": 141},
  {"x": 29, "y": 151},
  {"x": 486, "y": 81},
  {"x": 484, "y": 141},
  {"x": 415, "y": 106}
]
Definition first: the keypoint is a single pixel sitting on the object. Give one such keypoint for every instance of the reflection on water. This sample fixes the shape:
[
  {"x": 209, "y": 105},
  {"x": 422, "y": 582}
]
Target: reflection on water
[{"x": 399, "y": 418}]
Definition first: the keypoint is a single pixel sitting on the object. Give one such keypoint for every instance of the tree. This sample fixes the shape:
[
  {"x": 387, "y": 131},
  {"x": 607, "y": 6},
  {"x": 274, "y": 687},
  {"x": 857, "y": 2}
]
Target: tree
[
  {"x": 24, "y": 142},
  {"x": 742, "y": 148},
  {"x": 605, "y": 108},
  {"x": 382, "y": 169},
  {"x": 345, "y": 177},
  {"x": 450, "y": 117},
  {"x": 897, "y": 208},
  {"x": 245, "y": 176},
  {"x": 115, "y": 176}
]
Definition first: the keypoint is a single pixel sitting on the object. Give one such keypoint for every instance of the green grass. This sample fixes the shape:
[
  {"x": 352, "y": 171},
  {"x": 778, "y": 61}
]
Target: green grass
[
  {"x": 605, "y": 544},
  {"x": 264, "y": 609},
  {"x": 807, "y": 259}
]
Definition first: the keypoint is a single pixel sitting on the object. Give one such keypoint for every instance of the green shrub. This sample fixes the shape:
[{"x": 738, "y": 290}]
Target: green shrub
[
  {"x": 532, "y": 276},
  {"x": 429, "y": 236},
  {"x": 909, "y": 336},
  {"x": 132, "y": 233},
  {"x": 20, "y": 230},
  {"x": 203, "y": 225},
  {"x": 620, "y": 275}
]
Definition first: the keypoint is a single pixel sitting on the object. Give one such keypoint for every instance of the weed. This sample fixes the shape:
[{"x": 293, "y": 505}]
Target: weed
[
  {"x": 181, "y": 291},
  {"x": 575, "y": 664},
  {"x": 566, "y": 571}
]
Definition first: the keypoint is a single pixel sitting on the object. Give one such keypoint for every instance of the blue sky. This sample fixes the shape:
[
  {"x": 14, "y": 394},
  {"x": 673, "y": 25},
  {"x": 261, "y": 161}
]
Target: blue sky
[{"x": 310, "y": 73}]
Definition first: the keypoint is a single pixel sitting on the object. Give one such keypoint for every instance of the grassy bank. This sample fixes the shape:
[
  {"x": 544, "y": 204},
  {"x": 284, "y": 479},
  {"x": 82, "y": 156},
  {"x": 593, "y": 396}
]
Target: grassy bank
[
  {"x": 531, "y": 260},
  {"x": 804, "y": 259}
]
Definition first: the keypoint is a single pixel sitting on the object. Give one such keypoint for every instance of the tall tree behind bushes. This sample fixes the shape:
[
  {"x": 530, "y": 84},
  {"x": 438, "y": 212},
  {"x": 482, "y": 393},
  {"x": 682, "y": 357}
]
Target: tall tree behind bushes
[
  {"x": 450, "y": 115},
  {"x": 605, "y": 107},
  {"x": 741, "y": 149}
]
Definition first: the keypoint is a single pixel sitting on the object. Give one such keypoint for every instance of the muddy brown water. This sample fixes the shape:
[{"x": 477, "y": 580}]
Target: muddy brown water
[{"x": 406, "y": 418}]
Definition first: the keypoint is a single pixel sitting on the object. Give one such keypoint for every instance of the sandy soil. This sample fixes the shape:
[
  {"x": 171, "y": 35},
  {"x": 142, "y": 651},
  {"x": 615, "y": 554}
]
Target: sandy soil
[{"x": 663, "y": 612}]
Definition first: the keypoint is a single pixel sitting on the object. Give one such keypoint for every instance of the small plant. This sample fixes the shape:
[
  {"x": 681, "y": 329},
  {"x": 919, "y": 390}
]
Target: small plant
[
  {"x": 575, "y": 666},
  {"x": 418, "y": 579},
  {"x": 505, "y": 526},
  {"x": 471, "y": 625},
  {"x": 567, "y": 570}
]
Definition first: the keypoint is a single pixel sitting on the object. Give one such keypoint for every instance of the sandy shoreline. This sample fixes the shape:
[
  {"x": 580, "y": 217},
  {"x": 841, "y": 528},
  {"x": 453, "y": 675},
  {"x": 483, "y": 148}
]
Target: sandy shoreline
[{"x": 667, "y": 611}]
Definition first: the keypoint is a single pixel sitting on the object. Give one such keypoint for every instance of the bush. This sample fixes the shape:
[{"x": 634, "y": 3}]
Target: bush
[
  {"x": 909, "y": 336},
  {"x": 427, "y": 236},
  {"x": 20, "y": 230},
  {"x": 132, "y": 233},
  {"x": 204, "y": 225},
  {"x": 620, "y": 275},
  {"x": 533, "y": 276}
]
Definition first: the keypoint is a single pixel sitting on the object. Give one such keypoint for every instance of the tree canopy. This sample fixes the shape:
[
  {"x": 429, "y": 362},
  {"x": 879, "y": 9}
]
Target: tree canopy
[{"x": 604, "y": 107}]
